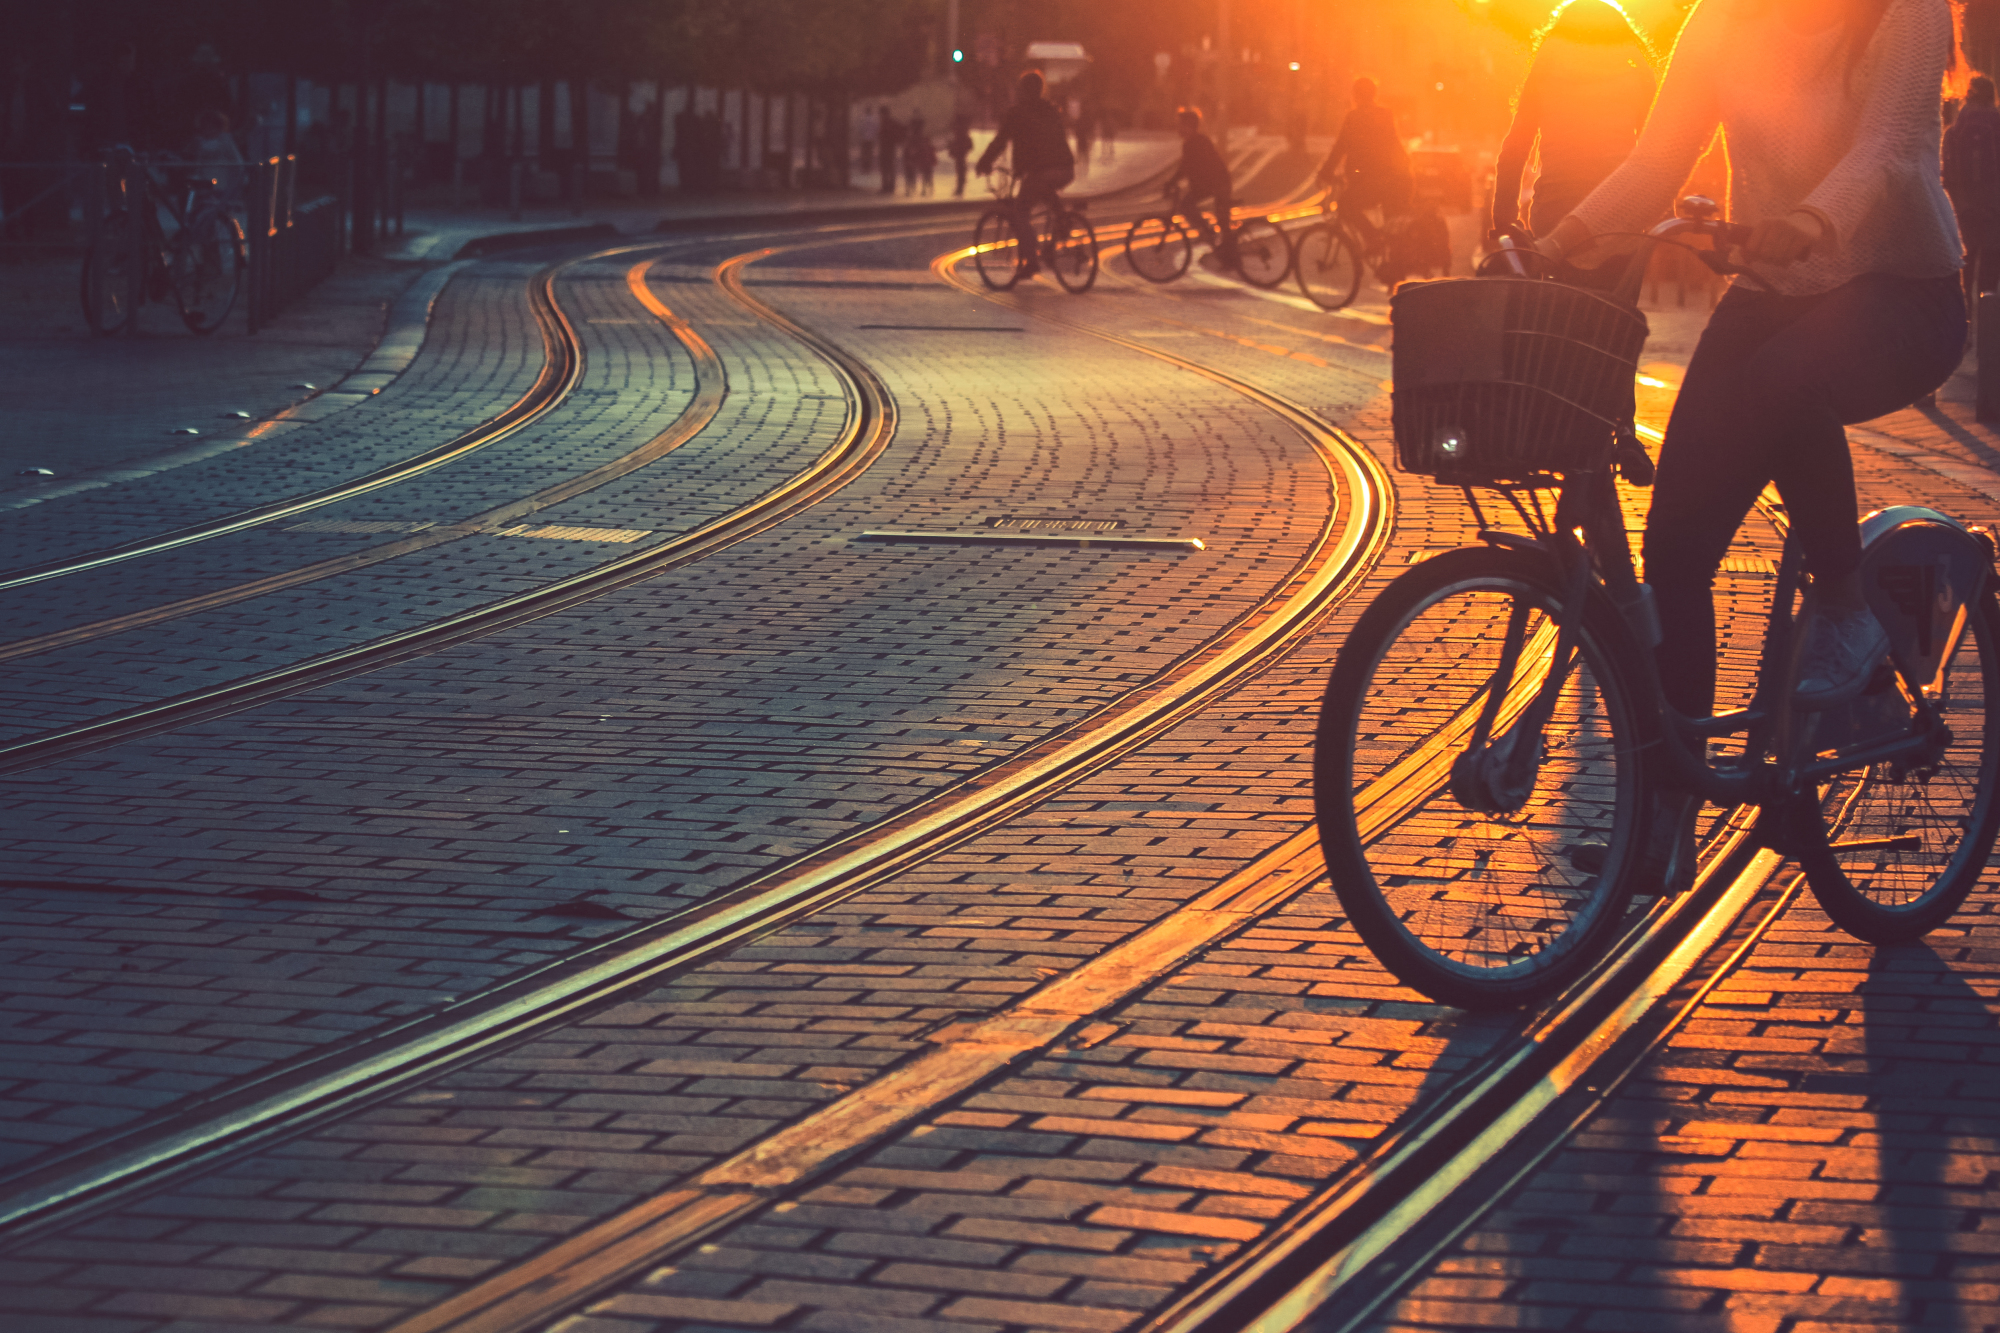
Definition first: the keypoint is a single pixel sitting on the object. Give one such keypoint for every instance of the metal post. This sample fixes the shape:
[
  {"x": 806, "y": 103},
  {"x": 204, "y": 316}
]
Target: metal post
[
  {"x": 950, "y": 37},
  {"x": 1987, "y": 334}
]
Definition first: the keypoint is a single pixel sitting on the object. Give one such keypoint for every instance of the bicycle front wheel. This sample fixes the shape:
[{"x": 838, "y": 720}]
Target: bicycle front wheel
[
  {"x": 1328, "y": 267},
  {"x": 1159, "y": 248},
  {"x": 111, "y": 285},
  {"x": 1075, "y": 253},
  {"x": 1263, "y": 253},
  {"x": 1901, "y": 846},
  {"x": 207, "y": 268},
  {"x": 997, "y": 251},
  {"x": 1481, "y": 908}
]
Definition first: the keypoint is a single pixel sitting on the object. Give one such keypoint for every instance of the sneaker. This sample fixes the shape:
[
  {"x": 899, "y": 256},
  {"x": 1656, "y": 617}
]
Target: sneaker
[{"x": 1840, "y": 654}]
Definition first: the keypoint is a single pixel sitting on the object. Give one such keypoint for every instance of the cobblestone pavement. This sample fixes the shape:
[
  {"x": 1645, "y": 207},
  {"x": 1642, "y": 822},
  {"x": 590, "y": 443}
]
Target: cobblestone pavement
[{"x": 219, "y": 900}]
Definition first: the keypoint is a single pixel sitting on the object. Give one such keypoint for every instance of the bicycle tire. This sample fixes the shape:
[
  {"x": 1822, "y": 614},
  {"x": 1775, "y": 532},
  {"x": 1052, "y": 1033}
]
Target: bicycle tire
[
  {"x": 1898, "y": 893},
  {"x": 1328, "y": 266},
  {"x": 1482, "y": 911},
  {"x": 1159, "y": 248},
  {"x": 207, "y": 270},
  {"x": 112, "y": 280},
  {"x": 1263, "y": 253},
  {"x": 997, "y": 250},
  {"x": 1074, "y": 251}
]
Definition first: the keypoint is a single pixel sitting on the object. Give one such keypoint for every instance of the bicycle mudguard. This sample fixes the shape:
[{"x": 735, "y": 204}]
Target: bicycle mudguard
[{"x": 1922, "y": 572}]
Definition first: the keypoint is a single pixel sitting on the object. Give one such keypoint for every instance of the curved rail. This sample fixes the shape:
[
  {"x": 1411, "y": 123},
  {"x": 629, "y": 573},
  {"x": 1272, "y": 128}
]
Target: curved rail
[
  {"x": 561, "y": 367},
  {"x": 710, "y": 386},
  {"x": 291, "y": 1100}
]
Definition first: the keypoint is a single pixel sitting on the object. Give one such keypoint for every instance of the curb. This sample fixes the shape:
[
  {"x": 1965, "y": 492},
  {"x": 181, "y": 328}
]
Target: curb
[
  {"x": 480, "y": 246},
  {"x": 408, "y": 323}
]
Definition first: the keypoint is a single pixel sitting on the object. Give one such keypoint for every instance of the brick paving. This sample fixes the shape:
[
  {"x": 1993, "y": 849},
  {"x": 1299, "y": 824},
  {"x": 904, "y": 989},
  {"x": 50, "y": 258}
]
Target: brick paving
[{"x": 1087, "y": 1186}]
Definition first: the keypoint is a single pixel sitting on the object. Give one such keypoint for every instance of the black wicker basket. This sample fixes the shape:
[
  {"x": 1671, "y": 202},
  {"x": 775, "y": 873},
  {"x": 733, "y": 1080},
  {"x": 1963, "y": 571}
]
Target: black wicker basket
[{"x": 1507, "y": 380}]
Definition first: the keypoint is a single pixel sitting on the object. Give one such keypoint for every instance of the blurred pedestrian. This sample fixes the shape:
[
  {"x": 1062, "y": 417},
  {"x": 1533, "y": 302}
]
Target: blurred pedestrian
[
  {"x": 1589, "y": 86},
  {"x": 1972, "y": 179},
  {"x": 889, "y": 143},
  {"x": 1086, "y": 134},
  {"x": 214, "y": 149},
  {"x": 960, "y": 148},
  {"x": 916, "y": 143},
  {"x": 869, "y": 129}
]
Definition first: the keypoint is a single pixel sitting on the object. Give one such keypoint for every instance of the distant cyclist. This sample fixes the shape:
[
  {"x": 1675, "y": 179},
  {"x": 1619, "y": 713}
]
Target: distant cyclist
[
  {"x": 1207, "y": 177},
  {"x": 1583, "y": 104},
  {"x": 1377, "y": 165},
  {"x": 1043, "y": 163}
]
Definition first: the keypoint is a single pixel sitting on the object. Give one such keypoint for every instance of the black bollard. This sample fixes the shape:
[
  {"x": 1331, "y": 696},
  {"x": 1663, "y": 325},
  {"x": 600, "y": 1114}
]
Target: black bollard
[{"x": 1986, "y": 333}]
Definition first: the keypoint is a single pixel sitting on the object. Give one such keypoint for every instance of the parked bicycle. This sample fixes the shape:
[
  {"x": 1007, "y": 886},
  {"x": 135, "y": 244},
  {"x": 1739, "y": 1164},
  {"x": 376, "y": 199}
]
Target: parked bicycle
[
  {"x": 1494, "y": 727},
  {"x": 1335, "y": 254},
  {"x": 1160, "y": 246},
  {"x": 196, "y": 255},
  {"x": 1061, "y": 240}
]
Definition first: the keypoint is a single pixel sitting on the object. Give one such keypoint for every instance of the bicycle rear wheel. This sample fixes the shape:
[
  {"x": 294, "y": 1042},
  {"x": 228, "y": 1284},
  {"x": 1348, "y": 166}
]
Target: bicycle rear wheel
[
  {"x": 206, "y": 269},
  {"x": 112, "y": 267},
  {"x": 1899, "y": 848},
  {"x": 1328, "y": 267},
  {"x": 997, "y": 251},
  {"x": 1476, "y": 908},
  {"x": 1159, "y": 248},
  {"x": 1075, "y": 251},
  {"x": 1263, "y": 253}
]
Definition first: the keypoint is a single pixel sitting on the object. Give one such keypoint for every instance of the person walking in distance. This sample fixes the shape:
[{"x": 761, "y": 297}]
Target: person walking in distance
[
  {"x": 1207, "y": 177},
  {"x": 1377, "y": 165},
  {"x": 1972, "y": 179},
  {"x": 866, "y": 134},
  {"x": 1583, "y": 103},
  {"x": 1852, "y": 307},
  {"x": 888, "y": 149},
  {"x": 959, "y": 145},
  {"x": 916, "y": 142},
  {"x": 1043, "y": 165},
  {"x": 1086, "y": 134}
]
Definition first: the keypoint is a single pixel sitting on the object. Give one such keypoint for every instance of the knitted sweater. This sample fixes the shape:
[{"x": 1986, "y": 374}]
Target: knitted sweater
[{"x": 1860, "y": 154}]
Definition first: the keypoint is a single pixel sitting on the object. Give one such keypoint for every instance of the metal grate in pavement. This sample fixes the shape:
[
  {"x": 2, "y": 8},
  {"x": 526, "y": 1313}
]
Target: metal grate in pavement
[
  {"x": 1038, "y": 539},
  {"x": 559, "y": 532},
  {"x": 1058, "y": 524}
]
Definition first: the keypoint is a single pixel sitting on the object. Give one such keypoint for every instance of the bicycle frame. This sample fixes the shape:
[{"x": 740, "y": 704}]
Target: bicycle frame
[{"x": 1586, "y": 538}]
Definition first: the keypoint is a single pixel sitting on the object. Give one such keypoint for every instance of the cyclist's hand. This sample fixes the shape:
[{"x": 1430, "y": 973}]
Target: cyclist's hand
[{"x": 1784, "y": 240}]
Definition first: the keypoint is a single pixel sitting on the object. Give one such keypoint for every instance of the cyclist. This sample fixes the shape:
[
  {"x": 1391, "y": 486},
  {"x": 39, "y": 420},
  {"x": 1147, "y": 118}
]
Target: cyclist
[
  {"x": 1043, "y": 164},
  {"x": 1378, "y": 166},
  {"x": 1207, "y": 177},
  {"x": 1583, "y": 102},
  {"x": 1829, "y": 109}
]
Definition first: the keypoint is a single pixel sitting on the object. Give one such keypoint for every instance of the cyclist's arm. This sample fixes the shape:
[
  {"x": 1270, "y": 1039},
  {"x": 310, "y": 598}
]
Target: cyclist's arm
[
  {"x": 1682, "y": 123},
  {"x": 1331, "y": 167},
  {"x": 999, "y": 144},
  {"x": 1514, "y": 150},
  {"x": 1900, "y": 113}
]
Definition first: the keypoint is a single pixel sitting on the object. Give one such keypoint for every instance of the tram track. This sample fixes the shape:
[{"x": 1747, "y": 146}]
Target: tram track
[
  {"x": 1348, "y": 1249},
  {"x": 291, "y": 1099}
]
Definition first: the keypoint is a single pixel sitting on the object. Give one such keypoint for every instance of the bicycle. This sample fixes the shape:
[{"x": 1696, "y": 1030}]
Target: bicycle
[
  {"x": 1334, "y": 254},
  {"x": 1063, "y": 242},
  {"x": 1493, "y": 730},
  {"x": 1160, "y": 246},
  {"x": 134, "y": 258}
]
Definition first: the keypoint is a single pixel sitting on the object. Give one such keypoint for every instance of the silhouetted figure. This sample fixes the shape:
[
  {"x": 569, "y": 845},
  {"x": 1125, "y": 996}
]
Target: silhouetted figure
[
  {"x": 959, "y": 145},
  {"x": 868, "y": 130},
  {"x": 687, "y": 138},
  {"x": 1086, "y": 134},
  {"x": 1972, "y": 179},
  {"x": 1207, "y": 177},
  {"x": 916, "y": 146},
  {"x": 1377, "y": 165},
  {"x": 1584, "y": 101},
  {"x": 1034, "y": 130},
  {"x": 889, "y": 142}
]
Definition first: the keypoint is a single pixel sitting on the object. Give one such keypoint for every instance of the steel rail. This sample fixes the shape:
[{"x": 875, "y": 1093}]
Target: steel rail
[
  {"x": 289, "y": 1101},
  {"x": 710, "y": 386},
  {"x": 562, "y": 366},
  {"x": 561, "y": 372}
]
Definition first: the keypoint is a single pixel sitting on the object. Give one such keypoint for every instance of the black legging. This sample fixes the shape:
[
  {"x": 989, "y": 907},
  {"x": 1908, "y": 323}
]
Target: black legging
[{"x": 1772, "y": 384}]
